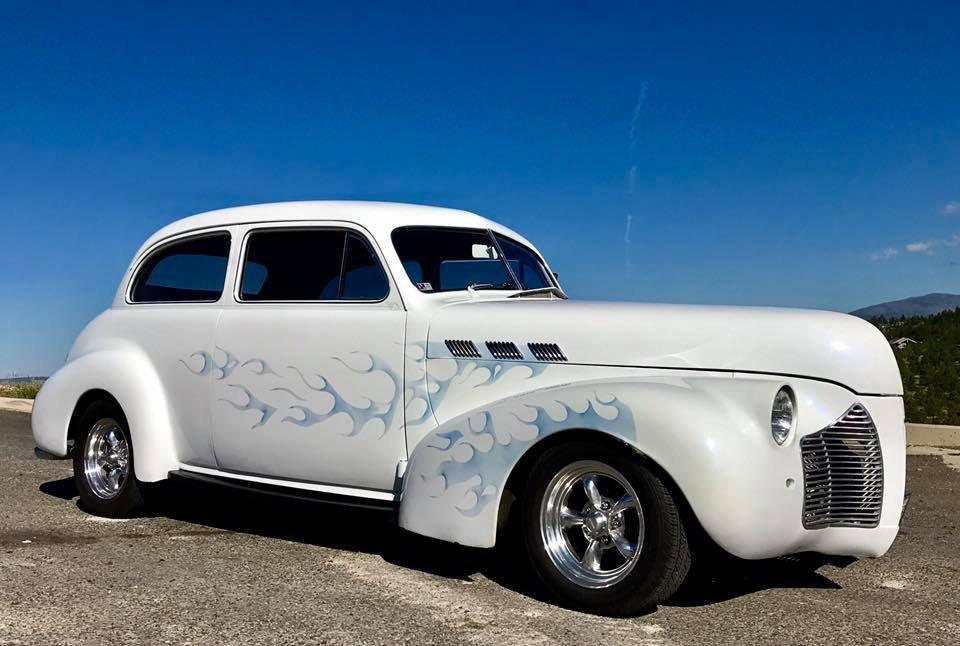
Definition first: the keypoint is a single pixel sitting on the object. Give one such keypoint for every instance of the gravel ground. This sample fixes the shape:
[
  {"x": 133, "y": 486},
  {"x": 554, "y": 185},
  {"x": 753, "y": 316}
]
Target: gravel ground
[{"x": 217, "y": 568}]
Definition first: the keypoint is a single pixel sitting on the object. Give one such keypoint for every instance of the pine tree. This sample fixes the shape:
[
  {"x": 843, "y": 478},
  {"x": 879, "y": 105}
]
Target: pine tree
[{"x": 930, "y": 368}]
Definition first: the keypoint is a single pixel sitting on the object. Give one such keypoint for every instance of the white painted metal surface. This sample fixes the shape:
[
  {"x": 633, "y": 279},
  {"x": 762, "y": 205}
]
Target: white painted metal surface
[{"x": 362, "y": 397}]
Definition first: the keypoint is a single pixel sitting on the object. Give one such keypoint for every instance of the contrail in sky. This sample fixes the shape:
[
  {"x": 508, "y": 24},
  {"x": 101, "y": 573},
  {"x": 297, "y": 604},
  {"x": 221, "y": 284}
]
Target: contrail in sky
[
  {"x": 636, "y": 115},
  {"x": 632, "y": 170}
]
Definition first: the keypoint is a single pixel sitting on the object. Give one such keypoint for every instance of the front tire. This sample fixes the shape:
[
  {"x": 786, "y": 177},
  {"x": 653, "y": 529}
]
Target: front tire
[
  {"x": 103, "y": 463},
  {"x": 602, "y": 531}
]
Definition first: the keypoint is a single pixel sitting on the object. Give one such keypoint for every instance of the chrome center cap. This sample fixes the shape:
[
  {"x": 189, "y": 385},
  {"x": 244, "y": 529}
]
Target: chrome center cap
[{"x": 595, "y": 523}]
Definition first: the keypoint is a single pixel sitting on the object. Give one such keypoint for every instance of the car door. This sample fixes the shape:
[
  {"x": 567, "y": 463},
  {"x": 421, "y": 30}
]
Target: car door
[
  {"x": 171, "y": 309},
  {"x": 313, "y": 389}
]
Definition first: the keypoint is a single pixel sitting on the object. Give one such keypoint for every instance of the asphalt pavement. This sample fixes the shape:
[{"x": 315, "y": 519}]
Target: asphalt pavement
[{"x": 212, "y": 567}]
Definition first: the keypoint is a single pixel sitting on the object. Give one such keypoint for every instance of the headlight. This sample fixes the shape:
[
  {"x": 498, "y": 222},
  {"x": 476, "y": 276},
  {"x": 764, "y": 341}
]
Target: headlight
[{"x": 782, "y": 416}]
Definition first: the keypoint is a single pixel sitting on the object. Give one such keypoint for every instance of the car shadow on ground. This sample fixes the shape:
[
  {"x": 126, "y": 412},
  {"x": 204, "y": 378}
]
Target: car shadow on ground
[
  {"x": 722, "y": 578},
  {"x": 728, "y": 577}
]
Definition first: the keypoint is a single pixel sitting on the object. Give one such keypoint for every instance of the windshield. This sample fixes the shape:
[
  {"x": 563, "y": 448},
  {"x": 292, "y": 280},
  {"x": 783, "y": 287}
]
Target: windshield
[{"x": 438, "y": 259}]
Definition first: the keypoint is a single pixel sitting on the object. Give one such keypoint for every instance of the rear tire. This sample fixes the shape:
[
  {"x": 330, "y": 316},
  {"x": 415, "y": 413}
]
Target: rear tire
[
  {"x": 603, "y": 532},
  {"x": 103, "y": 463}
]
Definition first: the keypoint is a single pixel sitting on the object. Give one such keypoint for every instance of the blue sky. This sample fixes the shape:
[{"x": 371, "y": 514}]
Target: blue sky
[{"x": 805, "y": 156}]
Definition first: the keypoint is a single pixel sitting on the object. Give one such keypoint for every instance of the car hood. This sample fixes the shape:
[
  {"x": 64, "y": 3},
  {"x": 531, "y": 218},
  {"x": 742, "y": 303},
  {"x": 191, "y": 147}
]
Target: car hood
[{"x": 805, "y": 343}]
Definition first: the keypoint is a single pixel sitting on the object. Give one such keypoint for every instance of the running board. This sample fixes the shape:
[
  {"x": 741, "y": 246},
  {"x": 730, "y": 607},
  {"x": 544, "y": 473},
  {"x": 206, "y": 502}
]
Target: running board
[{"x": 290, "y": 493}]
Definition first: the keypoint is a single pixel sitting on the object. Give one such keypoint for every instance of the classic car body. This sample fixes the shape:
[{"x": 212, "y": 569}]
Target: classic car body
[{"x": 438, "y": 402}]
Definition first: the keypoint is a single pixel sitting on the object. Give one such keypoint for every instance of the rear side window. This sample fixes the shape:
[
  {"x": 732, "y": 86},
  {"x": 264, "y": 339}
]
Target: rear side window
[
  {"x": 191, "y": 270},
  {"x": 310, "y": 265}
]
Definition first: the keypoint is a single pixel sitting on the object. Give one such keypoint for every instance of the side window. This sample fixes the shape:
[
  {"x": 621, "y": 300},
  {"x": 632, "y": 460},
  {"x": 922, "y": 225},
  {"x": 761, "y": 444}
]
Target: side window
[
  {"x": 292, "y": 265},
  {"x": 363, "y": 277},
  {"x": 189, "y": 270},
  {"x": 310, "y": 265}
]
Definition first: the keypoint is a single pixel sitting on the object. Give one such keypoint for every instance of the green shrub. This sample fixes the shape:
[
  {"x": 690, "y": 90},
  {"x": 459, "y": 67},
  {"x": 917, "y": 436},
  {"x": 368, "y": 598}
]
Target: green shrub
[{"x": 20, "y": 391}]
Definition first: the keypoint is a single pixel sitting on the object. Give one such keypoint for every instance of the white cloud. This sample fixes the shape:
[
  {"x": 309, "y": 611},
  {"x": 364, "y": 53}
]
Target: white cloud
[
  {"x": 951, "y": 208},
  {"x": 927, "y": 246},
  {"x": 884, "y": 254}
]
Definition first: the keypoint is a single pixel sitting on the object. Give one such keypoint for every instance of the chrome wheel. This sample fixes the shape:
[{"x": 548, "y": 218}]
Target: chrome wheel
[
  {"x": 591, "y": 524},
  {"x": 106, "y": 459}
]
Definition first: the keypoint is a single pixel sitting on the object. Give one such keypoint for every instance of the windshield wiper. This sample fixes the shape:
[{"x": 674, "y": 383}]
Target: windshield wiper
[
  {"x": 541, "y": 291},
  {"x": 480, "y": 286}
]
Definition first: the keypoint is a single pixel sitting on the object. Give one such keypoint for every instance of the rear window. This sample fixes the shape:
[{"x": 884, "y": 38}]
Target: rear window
[
  {"x": 310, "y": 265},
  {"x": 191, "y": 270}
]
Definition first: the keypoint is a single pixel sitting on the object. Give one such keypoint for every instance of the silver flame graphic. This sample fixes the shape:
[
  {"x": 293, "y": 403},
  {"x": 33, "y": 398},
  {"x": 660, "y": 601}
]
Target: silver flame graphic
[
  {"x": 306, "y": 398},
  {"x": 481, "y": 448}
]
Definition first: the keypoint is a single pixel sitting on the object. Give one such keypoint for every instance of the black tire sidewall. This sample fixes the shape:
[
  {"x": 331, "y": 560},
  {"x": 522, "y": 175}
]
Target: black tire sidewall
[
  {"x": 663, "y": 543},
  {"x": 130, "y": 498}
]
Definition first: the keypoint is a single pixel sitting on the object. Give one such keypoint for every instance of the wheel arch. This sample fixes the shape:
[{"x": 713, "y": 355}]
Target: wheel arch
[
  {"x": 521, "y": 470},
  {"x": 83, "y": 403},
  {"x": 512, "y": 490}
]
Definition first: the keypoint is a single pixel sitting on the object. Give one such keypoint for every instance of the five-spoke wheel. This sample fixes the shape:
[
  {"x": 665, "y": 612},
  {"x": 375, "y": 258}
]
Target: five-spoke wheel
[
  {"x": 602, "y": 529},
  {"x": 106, "y": 460},
  {"x": 592, "y": 524},
  {"x": 103, "y": 462}
]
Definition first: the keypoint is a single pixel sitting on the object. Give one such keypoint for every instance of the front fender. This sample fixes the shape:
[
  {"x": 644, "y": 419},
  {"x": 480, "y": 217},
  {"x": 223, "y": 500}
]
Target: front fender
[
  {"x": 129, "y": 377},
  {"x": 709, "y": 432}
]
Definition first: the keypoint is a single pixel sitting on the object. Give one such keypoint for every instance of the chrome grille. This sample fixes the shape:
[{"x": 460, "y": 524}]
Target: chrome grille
[
  {"x": 462, "y": 349},
  {"x": 546, "y": 351},
  {"x": 843, "y": 473}
]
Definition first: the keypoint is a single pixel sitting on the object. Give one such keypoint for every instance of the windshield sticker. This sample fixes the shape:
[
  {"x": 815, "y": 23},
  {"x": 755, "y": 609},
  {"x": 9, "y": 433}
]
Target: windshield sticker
[{"x": 425, "y": 287}]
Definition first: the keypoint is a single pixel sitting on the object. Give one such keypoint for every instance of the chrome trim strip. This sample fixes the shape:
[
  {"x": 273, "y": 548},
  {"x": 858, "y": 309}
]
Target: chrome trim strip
[{"x": 295, "y": 484}]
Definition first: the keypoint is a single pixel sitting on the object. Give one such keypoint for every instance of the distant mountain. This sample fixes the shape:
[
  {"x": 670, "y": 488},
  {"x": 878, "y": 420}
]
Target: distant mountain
[{"x": 913, "y": 306}]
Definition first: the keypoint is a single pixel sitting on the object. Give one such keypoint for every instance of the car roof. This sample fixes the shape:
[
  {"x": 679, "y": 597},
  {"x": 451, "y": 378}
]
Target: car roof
[{"x": 380, "y": 218}]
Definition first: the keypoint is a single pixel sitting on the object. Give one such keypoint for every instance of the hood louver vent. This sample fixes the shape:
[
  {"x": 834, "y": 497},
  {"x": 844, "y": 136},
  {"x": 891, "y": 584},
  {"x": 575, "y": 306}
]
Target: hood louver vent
[
  {"x": 462, "y": 349},
  {"x": 547, "y": 351},
  {"x": 504, "y": 350}
]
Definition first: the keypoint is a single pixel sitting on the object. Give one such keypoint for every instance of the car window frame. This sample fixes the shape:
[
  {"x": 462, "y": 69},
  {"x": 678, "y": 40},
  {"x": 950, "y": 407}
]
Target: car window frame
[
  {"x": 346, "y": 230},
  {"x": 165, "y": 244}
]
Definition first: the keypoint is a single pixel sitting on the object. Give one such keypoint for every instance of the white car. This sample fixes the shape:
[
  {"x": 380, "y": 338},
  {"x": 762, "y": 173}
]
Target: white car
[{"x": 426, "y": 360}]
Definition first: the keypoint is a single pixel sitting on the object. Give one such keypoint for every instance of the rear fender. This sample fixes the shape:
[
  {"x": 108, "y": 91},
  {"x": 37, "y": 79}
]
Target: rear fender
[{"x": 128, "y": 376}]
